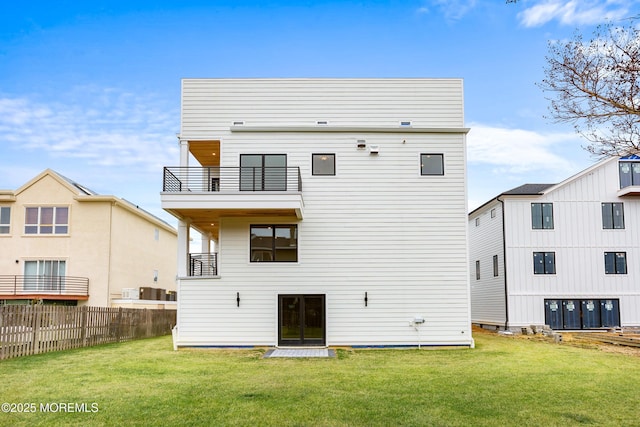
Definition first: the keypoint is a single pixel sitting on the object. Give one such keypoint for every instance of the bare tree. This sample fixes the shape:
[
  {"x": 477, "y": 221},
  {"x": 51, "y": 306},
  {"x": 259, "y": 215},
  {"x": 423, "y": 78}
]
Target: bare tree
[{"x": 596, "y": 87}]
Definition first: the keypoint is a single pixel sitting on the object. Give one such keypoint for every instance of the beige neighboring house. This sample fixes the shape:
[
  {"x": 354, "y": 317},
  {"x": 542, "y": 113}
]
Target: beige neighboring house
[{"x": 61, "y": 243}]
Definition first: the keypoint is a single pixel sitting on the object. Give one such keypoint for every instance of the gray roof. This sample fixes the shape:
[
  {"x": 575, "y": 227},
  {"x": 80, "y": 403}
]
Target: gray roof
[
  {"x": 523, "y": 190},
  {"x": 527, "y": 190},
  {"x": 80, "y": 187}
]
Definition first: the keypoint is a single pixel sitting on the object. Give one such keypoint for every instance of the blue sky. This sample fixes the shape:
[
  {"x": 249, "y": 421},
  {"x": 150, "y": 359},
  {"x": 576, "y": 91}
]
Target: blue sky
[{"x": 91, "y": 89}]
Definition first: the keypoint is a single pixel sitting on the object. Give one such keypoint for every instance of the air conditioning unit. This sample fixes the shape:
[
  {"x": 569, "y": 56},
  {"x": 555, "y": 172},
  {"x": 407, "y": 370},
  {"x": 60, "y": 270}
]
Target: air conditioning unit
[{"x": 130, "y": 293}]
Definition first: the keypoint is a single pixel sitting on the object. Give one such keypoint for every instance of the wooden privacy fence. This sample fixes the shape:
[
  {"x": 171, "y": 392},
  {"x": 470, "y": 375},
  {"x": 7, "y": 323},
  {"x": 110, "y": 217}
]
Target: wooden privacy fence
[{"x": 33, "y": 329}]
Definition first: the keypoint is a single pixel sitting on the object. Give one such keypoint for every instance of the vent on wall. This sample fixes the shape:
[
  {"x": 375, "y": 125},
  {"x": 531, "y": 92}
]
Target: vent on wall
[
  {"x": 322, "y": 122},
  {"x": 238, "y": 123},
  {"x": 374, "y": 149},
  {"x": 361, "y": 144},
  {"x": 405, "y": 123}
]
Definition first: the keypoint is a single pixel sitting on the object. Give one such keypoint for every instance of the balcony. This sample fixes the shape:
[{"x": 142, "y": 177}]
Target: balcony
[
  {"x": 44, "y": 287},
  {"x": 203, "y": 264},
  {"x": 203, "y": 195}
]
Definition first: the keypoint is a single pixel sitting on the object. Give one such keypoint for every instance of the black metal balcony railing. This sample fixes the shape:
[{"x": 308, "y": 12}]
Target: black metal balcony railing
[
  {"x": 44, "y": 285},
  {"x": 220, "y": 179},
  {"x": 203, "y": 264}
]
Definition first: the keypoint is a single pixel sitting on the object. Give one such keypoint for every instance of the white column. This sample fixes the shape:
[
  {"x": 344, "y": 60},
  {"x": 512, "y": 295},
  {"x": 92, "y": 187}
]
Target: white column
[
  {"x": 183, "y": 248},
  {"x": 184, "y": 153},
  {"x": 206, "y": 242}
]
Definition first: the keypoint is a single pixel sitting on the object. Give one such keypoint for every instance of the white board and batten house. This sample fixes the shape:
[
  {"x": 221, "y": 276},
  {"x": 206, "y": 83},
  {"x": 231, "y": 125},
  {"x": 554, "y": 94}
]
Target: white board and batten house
[
  {"x": 563, "y": 255},
  {"x": 332, "y": 212}
]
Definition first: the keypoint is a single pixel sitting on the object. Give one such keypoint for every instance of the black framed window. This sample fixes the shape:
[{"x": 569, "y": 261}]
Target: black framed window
[
  {"x": 612, "y": 216},
  {"x": 274, "y": 243},
  {"x": 615, "y": 263},
  {"x": 263, "y": 172},
  {"x": 544, "y": 263},
  {"x": 478, "y": 270},
  {"x": 495, "y": 266},
  {"x": 629, "y": 173},
  {"x": 431, "y": 164},
  {"x": 323, "y": 164},
  {"x": 542, "y": 216}
]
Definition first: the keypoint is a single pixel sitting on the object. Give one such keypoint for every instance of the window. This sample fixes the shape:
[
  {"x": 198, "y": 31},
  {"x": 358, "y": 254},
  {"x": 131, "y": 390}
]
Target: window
[
  {"x": 431, "y": 164},
  {"x": 478, "y": 222},
  {"x": 495, "y": 266},
  {"x": 542, "y": 216},
  {"x": 323, "y": 164},
  {"x": 47, "y": 220},
  {"x": 5, "y": 220},
  {"x": 44, "y": 275},
  {"x": 493, "y": 213},
  {"x": 612, "y": 216},
  {"x": 544, "y": 263},
  {"x": 478, "y": 270},
  {"x": 615, "y": 263},
  {"x": 629, "y": 173},
  {"x": 274, "y": 243},
  {"x": 263, "y": 172}
]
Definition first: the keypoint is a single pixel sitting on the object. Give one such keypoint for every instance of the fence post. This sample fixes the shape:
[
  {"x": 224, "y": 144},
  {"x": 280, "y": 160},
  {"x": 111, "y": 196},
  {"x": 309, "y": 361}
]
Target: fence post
[
  {"x": 37, "y": 319},
  {"x": 83, "y": 326},
  {"x": 119, "y": 329}
]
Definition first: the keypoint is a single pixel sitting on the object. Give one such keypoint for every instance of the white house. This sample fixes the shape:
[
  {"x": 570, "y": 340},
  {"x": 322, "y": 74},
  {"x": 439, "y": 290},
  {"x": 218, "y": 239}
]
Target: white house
[
  {"x": 333, "y": 212},
  {"x": 564, "y": 255}
]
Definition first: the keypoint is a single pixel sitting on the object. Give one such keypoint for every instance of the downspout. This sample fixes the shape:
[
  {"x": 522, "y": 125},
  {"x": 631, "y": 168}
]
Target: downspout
[
  {"x": 504, "y": 261},
  {"x": 110, "y": 253}
]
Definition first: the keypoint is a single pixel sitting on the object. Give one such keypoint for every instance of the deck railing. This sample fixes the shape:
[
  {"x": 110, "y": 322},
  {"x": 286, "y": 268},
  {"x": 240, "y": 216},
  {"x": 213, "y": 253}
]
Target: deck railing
[
  {"x": 220, "y": 179},
  {"x": 44, "y": 285},
  {"x": 203, "y": 264}
]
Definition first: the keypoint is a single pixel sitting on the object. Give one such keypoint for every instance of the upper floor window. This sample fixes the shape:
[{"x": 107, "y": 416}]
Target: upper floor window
[
  {"x": 5, "y": 219},
  {"x": 495, "y": 266},
  {"x": 612, "y": 216},
  {"x": 274, "y": 243},
  {"x": 615, "y": 263},
  {"x": 431, "y": 164},
  {"x": 323, "y": 164},
  {"x": 478, "y": 270},
  {"x": 47, "y": 220},
  {"x": 629, "y": 173},
  {"x": 542, "y": 216},
  {"x": 493, "y": 213},
  {"x": 263, "y": 172},
  {"x": 478, "y": 222},
  {"x": 544, "y": 263}
]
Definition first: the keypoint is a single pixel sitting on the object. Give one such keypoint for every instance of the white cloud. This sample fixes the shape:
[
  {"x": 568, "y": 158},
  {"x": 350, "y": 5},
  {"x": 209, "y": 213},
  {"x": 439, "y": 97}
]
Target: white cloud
[
  {"x": 499, "y": 159},
  {"x": 452, "y": 9},
  {"x": 575, "y": 12},
  {"x": 517, "y": 151},
  {"x": 103, "y": 127}
]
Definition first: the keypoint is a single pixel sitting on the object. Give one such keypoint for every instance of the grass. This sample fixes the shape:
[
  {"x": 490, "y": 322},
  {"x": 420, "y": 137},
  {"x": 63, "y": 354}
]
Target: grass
[{"x": 503, "y": 382}]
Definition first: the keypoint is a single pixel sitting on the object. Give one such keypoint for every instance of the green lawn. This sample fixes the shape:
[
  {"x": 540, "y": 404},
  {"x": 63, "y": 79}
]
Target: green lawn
[{"x": 503, "y": 382}]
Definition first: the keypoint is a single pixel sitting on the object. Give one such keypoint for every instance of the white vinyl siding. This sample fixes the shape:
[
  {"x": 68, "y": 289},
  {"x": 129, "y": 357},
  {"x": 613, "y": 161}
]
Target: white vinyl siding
[
  {"x": 579, "y": 242},
  {"x": 377, "y": 227},
  {"x": 209, "y": 106},
  {"x": 486, "y": 245}
]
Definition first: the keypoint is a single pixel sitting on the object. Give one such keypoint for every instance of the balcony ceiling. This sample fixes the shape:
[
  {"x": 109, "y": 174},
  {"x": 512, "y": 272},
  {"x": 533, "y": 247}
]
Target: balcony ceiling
[
  {"x": 208, "y": 220},
  {"x": 207, "y": 153}
]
